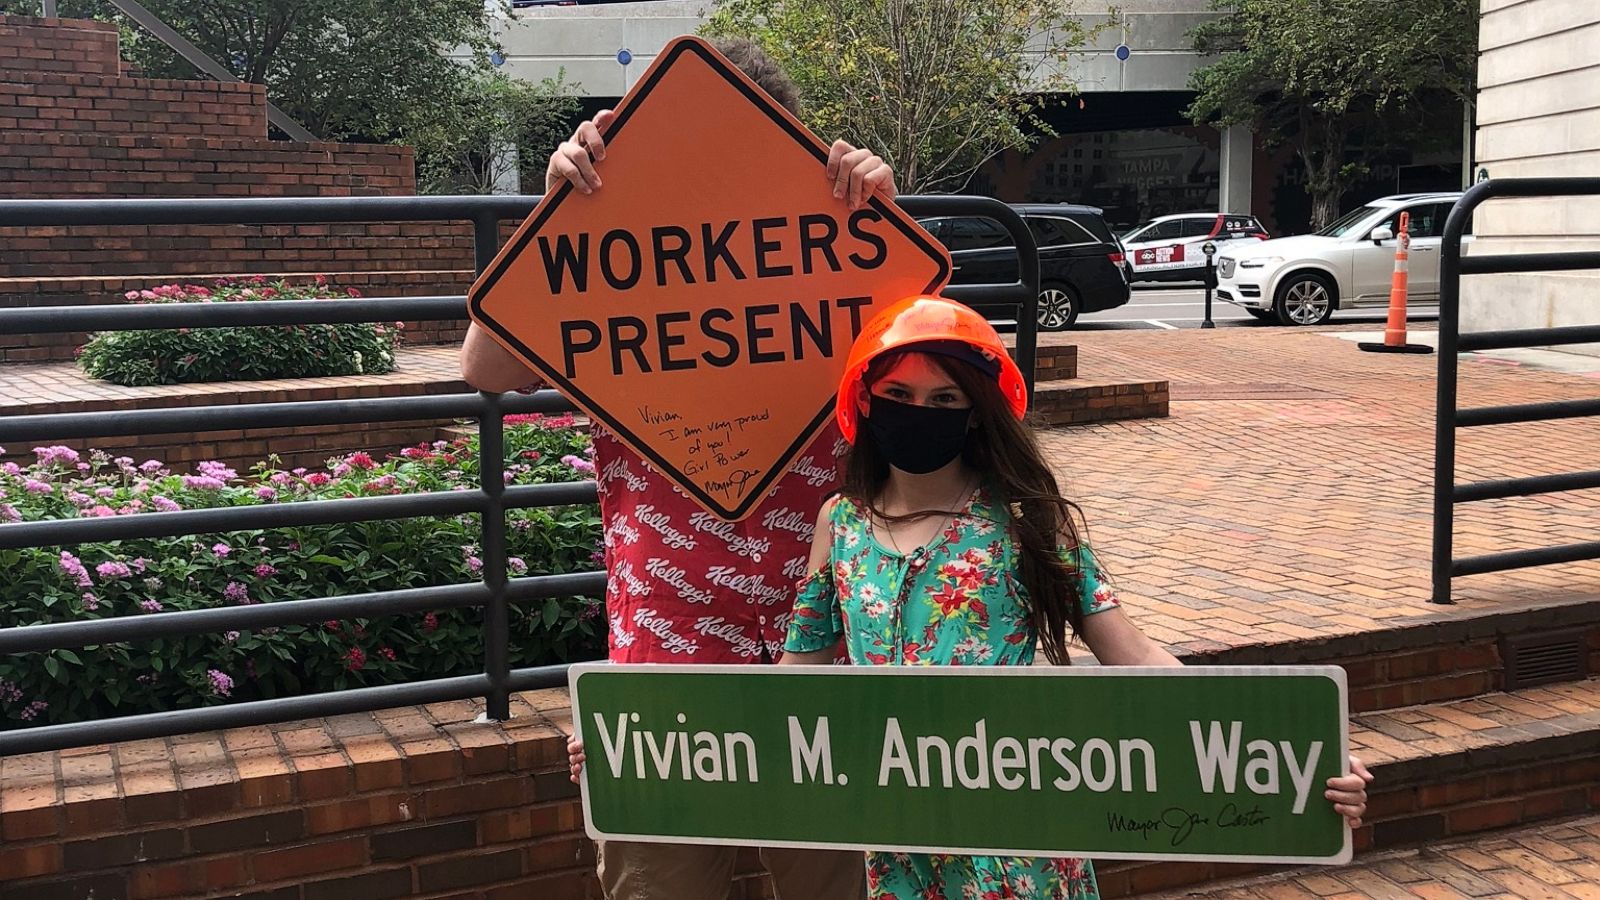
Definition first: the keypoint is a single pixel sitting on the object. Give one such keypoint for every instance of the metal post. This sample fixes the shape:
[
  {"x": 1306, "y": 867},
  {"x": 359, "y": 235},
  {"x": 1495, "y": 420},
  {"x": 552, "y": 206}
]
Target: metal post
[
  {"x": 1444, "y": 426},
  {"x": 1210, "y": 250},
  {"x": 49, "y": 9},
  {"x": 491, "y": 472}
]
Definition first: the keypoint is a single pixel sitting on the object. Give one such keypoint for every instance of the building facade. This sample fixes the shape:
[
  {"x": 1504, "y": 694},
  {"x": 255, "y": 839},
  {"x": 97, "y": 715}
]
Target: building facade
[
  {"x": 1538, "y": 115},
  {"x": 1122, "y": 144}
]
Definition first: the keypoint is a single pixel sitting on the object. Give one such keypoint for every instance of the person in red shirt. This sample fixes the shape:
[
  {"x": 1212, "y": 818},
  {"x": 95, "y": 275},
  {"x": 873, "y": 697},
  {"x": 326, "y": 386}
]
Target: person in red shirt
[{"x": 684, "y": 586}]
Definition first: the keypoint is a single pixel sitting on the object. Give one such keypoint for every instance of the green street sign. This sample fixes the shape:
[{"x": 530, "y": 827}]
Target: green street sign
[{"x": 1197, "y": 763}]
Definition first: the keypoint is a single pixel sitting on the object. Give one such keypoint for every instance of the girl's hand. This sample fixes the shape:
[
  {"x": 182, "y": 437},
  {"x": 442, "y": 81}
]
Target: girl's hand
[
  {"x": 575, "y": 759},
  {"x": 1349, "y": 792}
]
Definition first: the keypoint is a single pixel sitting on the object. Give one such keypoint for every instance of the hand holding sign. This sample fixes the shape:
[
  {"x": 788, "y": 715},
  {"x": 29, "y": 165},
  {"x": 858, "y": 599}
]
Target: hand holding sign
[
  {"x": 574, "y": 159},
  {"x": 697, "y": 271}
]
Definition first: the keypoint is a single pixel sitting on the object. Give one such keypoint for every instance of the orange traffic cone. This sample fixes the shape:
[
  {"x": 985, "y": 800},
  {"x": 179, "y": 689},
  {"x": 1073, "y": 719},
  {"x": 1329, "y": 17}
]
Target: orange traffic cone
[{"x": 1394, "y": 336}]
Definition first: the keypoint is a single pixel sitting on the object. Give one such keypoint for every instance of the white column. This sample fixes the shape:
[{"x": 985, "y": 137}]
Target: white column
[{"x": 1238, "y": 159}]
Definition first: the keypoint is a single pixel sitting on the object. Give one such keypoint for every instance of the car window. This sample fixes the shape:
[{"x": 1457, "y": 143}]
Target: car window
[
  {"x": 1242, "y": 226},
  {"x": 1348, "y": 222},
  {"x": 975, "y": 234},
  {"x": 1198, "y": 227},
  {"x": 1171, "y": 229},
  {"x": 1427, "y": 221},
  {"x": 1094, "y": 224},
  {"x": 1053, "y": 232}
]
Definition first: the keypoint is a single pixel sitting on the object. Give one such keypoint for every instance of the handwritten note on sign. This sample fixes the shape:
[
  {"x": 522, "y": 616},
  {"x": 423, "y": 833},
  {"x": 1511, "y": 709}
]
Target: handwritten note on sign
[{"x": 701, "y": 303}]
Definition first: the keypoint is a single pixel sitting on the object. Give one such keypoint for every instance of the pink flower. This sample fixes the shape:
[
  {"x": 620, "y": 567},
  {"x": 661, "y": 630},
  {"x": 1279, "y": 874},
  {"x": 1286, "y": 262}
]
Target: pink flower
[
  {"x": 99, "y": 512},
  {"x": 318, "y": 479},
  {"x": 579, "y": 463},
  {"x": 265, "y": 570},
  {"x": 221, "y": 550},
  {"x": 355, "y": 660},
  {"x": 203, "y": 483},
  {"x": 150, "y": 466},
  {"x": 34, "y": 486},
  {"x": 266, "y": 493},
  {"x": 150, "y": 606},
  {"x": 279, "y": 478},
  {"x": 105, "y": 492},
  {"x": 352, "y": 292},
  {"x": 90, "y": 601},
  {"x": 387, "y": 653},
  {"x": 216, "y": 470},
  {"x": 517, "y": 565},
  {"x": 8, "y": 513},
  {"x": 236, "y": 592},
  {"x": 113, "y": 570},
  {"x": 72, "y": 566},
  {"x": 164, "y": 505},
  {"x": 131, "y": 295},
  {"x": 148, "y": 295},
  {"x": 230, "y": 636},
  {"x": 474, "y": 564},
  {"x": 322, "y": 281},
  {"x": 221, "y": 684},
  {"x": 361, "y": 460},
  {"x": 430, "y": 622}
]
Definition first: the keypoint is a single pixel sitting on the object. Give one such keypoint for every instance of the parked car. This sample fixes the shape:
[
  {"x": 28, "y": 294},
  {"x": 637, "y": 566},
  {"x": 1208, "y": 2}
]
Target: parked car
[
  {"x": 1080, "y": 260},
  {"x": 1301, "y": 280},
  {"x": 1167, "y": 248}
]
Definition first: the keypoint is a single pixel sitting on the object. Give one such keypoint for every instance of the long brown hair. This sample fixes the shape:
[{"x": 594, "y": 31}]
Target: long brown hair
[{"x": 1006, "y": 455}]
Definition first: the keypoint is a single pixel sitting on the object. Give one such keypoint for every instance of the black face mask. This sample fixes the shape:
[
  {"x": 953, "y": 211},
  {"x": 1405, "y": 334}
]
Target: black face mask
[{"x": 917, "y": 439}]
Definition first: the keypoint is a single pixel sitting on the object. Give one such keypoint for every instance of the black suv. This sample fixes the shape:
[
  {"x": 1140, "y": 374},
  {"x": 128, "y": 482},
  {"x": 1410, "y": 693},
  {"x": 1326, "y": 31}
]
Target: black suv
[{"x": 1080, "y": 261}]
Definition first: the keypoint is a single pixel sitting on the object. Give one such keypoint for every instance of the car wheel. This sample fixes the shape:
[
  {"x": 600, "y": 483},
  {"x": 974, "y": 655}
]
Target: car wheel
[
  {"x": 1305, "y": 298},
  {"x": 1265, "y": 315},
  {"x": 1058, "y": 308}
]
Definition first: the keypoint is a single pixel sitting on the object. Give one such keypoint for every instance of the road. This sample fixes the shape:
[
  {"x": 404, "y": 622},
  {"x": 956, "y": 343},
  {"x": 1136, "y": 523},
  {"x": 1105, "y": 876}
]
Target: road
[{"x": 1183, "y": 306}]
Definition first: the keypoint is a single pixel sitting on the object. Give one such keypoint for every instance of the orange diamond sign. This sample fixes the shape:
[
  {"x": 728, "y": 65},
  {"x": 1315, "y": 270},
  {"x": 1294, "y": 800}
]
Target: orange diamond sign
[{"x": 702, "y": 301}]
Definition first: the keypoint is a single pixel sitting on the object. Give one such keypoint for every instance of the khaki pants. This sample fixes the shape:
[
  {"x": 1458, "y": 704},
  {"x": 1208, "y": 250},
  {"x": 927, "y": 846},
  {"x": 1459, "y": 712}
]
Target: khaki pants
[{"x": 639, "y": 871}]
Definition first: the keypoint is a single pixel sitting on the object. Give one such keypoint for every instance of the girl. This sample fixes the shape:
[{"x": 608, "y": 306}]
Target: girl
[{"x": 952, "y": 545}]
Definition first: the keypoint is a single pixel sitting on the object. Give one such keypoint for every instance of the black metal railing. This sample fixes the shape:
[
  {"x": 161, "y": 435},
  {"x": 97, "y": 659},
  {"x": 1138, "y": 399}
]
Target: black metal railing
[
  {"x": 493, "y": 594},
  {"x": 1446, "y": 492}
]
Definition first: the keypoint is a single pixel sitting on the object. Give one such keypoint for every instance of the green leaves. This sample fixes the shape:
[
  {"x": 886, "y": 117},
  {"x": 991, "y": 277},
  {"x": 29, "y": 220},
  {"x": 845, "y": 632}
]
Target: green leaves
[
  {"x": 1318, "y": 75},
  {"x": 936, "y": 87},
  {"x": 182, "y": 356},
  {"x": 187, "y": 573}
]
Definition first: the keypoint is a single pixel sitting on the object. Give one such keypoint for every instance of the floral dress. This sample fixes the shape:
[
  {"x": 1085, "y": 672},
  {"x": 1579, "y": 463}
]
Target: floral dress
[{"x": 959, "y": 601}]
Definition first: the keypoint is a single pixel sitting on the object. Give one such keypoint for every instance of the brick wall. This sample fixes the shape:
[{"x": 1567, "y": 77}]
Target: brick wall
[
  {"x": 53, "y": 164},
  {"x": 102, "y": 105},
  {"x": 1070, "y": 402},
  {"x": 58, "y": 45}
]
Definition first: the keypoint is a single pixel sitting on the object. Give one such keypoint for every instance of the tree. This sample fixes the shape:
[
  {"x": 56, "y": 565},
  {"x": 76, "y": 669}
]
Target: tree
[
  {"x": 1340, "y": 81},
  {"x": 410, "y": 71},
  {"x": 462, "y": 148},
  {"x": 936, "y": 87}
]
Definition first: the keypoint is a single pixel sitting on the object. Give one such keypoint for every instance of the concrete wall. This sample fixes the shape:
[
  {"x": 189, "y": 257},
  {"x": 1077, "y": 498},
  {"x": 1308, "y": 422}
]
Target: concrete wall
[
  {"x": 1538, "y": 115},
  {"x": 584, "y": 41}
]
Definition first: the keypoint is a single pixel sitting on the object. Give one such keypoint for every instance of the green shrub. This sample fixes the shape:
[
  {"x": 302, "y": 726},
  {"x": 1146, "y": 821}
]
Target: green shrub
[
  {"x": 141, "y": 577},
  {"x": 187, "y": 355}
]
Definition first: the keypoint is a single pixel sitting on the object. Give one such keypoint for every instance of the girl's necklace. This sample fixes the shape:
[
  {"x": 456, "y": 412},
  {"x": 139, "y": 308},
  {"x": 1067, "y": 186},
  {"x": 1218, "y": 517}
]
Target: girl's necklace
[{"x": 966, "y": 488}]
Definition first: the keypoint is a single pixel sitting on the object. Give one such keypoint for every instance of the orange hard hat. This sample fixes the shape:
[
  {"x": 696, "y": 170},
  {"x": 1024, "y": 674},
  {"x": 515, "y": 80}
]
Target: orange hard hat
[{"x": 940, "y": 324}]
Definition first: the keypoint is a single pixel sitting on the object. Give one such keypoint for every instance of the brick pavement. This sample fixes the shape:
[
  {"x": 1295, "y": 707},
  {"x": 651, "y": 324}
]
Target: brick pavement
[
  {"x": 1559, "y": 861},
  {"x": 1288, "y": 495}
]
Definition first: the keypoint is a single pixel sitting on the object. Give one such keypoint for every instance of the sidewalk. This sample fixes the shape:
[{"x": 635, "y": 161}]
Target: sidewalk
[
  {"x": 1554, "y": 862},
  {"x": 1289, "y": 494}
]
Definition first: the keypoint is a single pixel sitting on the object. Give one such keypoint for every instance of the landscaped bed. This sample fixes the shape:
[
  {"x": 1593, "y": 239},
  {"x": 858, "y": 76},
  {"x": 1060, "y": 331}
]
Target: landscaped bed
[{"x": 149, "y": 576}]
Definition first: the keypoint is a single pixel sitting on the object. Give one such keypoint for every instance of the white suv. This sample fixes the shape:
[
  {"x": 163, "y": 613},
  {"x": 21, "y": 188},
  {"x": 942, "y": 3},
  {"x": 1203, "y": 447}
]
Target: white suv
[{"x": 1348, "y": 265}]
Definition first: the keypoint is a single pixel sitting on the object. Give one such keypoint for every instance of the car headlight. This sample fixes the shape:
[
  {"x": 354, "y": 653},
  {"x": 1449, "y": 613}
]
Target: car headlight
[{"x": 1259, "y": 262}]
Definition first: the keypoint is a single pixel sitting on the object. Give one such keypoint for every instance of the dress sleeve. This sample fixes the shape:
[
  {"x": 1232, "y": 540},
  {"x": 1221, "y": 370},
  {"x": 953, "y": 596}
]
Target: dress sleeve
[
  {"x": 1097, "y": 595},
  {"x": 817, "y": 623}
]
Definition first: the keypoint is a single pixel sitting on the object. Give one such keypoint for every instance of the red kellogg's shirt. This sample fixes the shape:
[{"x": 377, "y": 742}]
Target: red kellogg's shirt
[{"x": 684, "y": 586}]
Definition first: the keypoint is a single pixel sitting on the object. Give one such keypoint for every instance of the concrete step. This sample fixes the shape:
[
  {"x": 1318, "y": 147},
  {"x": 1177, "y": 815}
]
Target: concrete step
[
  {"x": 1445, "y": 771},
  {"x": 1556, "y": 860}
]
